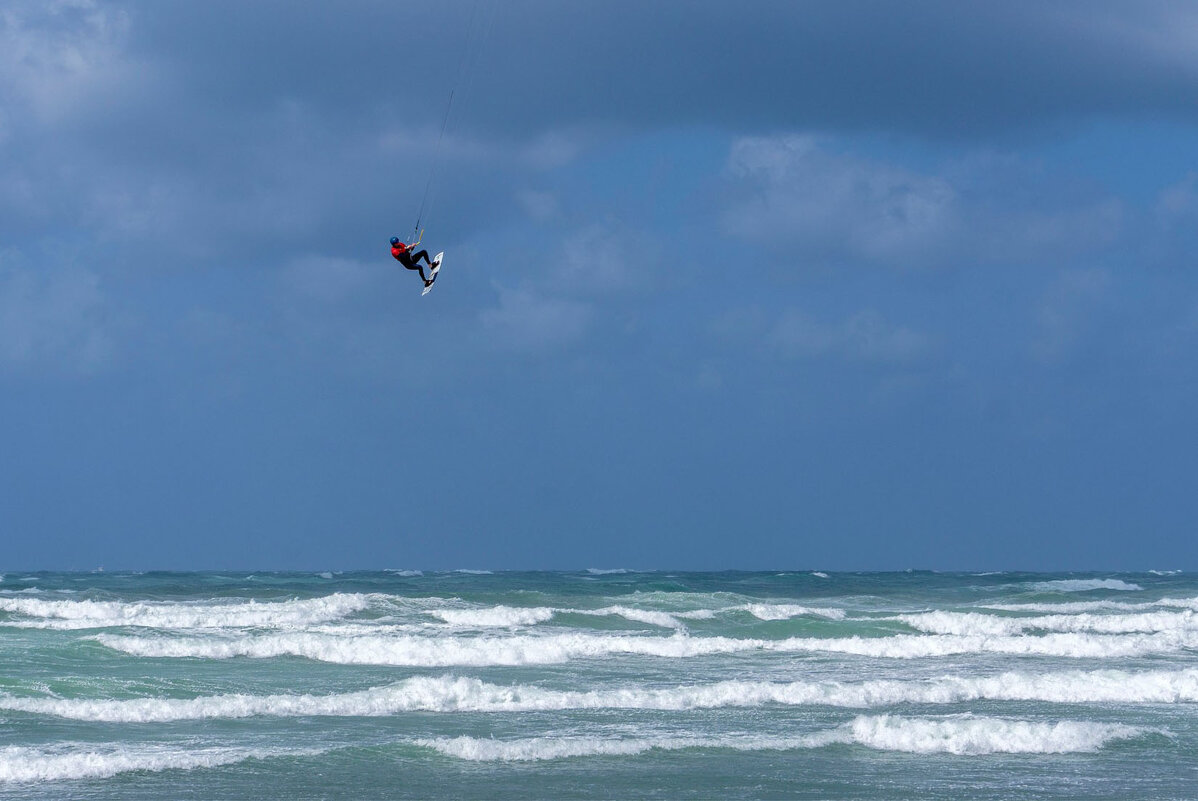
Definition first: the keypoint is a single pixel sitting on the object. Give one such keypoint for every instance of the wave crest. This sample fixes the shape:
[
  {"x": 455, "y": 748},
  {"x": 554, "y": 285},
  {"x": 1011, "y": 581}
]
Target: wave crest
[
  {"x": 459, "y": 694},
  {"x": 73, "y": 615},
  {"x": 961, "y": 736}
]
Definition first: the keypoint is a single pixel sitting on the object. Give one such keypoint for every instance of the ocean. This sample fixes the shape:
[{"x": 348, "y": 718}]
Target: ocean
[{"x": 598, "y": 685}]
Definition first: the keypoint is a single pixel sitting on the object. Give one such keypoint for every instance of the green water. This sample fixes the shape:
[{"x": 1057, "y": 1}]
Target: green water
[{"x": 598, "y": 685}]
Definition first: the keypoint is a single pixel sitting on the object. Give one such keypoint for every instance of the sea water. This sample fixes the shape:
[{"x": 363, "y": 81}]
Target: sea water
[{"x": 598, "y": 684}]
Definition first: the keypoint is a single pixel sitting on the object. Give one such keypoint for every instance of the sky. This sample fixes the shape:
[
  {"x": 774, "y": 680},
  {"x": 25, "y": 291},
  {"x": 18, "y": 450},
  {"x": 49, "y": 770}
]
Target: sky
[{"x": 766, "y": 285}]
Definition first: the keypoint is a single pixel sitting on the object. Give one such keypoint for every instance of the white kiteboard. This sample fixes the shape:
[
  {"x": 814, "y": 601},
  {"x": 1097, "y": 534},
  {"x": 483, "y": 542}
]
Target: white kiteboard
[{"x": 433, "y": 275}]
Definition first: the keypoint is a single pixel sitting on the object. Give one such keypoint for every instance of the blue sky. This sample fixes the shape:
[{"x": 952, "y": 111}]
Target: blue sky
[{"x": 727, "y": 285}]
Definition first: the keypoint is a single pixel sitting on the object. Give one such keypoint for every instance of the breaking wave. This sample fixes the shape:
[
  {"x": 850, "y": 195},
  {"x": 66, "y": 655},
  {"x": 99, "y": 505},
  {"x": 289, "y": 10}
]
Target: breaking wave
[
  {"x": 976, "y": 736},
  {"x": 459, "y": 694},
  {"x": 1097, "y": 606},
  {"x": 70, "y": 615},
  {"x": 1084, "y": 585},
  {"x": 501, "y": 616},
  {"x": 961, "y": 736},
  {"x": 419, "y": 651},
  {"x": 969, "y": 623},
  {"x": 20, "y": 764},
  {"x": 787, "y": 611},
  {"x": 511, "y": 617}
]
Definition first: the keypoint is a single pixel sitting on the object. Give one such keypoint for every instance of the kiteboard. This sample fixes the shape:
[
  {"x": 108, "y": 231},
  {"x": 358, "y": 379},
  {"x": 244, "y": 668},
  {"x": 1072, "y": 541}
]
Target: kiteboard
[{"x": 432, "y": 276}]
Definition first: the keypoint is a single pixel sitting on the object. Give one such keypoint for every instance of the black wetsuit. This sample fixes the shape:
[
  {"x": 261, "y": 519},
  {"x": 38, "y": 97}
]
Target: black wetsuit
[{"x": 410, "y": 260}]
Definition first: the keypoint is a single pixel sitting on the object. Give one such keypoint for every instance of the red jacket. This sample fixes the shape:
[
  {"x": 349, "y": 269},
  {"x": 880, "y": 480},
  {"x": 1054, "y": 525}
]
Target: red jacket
[{"x": 397, "y": 251}]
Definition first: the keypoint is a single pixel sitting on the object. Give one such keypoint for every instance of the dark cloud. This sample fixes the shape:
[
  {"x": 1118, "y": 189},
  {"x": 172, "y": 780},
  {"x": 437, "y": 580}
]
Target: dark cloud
[
  {"x": 813, "y": 207},
  {"x": 149, "y": 119},
  {"x": 930, "y": 68},
  {"x": 195, "y": 200},
  {"x": 934, "y": 68}
]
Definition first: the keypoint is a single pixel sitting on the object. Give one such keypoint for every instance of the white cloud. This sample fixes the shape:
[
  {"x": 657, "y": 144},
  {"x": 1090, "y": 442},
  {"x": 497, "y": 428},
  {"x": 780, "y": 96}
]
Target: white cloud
[
  {"x": 54, "y": 321},
  {"x": 539, "y": 206},
  {"x": 1179, "y": 203},
  {"x": 793, "y": 193},
  {"x": 601, "y": 259},
  {"x": 790, "y": 194},
  {"x": 528, "y": 321},
  {"x": 59, "y": 57},
  {"x": 330, "y": 280},
  {"x": 1067, "y": 313},
  {"x": 1158, "y": 34},
  {"x": 864, "y": 336},
  {"x": 553, "y": 149}
]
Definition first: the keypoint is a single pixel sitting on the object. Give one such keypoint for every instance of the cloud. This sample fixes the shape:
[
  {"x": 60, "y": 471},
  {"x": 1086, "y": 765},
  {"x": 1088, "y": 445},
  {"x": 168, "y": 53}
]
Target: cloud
[
  {"x": 62, "y": 59},
  {"x": 1179, "y": 202},
  {"x": 526, "y": 320},
  {"x": 539, "y": 206},
  {"x": 863, "y": 336},
  {"x": 836, "y": 208},
  {"x": 935, "y": 68},
  {"x": 1067, "y": 313},
  {"x": 810, "y": 206},
  {"x": 54, "y": 321},
  {"x": 332, "y": 281},
  {"x": 552, "y": 149},
  {"x": 540, "y": 67},
  {"x": 601, "y": 259}
]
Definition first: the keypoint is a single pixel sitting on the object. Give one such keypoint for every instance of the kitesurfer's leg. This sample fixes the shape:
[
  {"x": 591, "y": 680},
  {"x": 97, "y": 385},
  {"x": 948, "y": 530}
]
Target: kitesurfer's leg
[
  {"x": 422, "y": 255},
  {"x": 409, "y": 264}
]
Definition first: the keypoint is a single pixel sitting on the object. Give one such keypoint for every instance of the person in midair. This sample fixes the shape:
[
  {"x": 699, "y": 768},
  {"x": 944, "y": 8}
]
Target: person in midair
[{"x": 404, "y": 255}]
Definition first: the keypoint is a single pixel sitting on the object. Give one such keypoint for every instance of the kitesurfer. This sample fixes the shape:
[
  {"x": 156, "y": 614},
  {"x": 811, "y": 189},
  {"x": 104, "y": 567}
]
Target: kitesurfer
[{"x": 404, "y": 255}]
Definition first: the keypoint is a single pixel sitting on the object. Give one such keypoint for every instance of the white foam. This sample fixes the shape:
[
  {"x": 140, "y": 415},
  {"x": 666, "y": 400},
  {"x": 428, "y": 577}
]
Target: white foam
[
  {"x": 413, "y": 651},
  {"x": 969, "y": 623},
  {"x": 697, "y": 614},
  {"x": 1073, "y": 606},
  {"x": 653, "y": 618},
  {"x": 47, "y": 614},
  {"x": 474, "y": 572},
  {"x": 765, "y": 611},
  {"x": 976, "y": 736},
  {"x": 533, "y": 749},
  {"x": 1073, "y": 645},
  {"x": 959, "y": 736},
  {"x": 509, "y": 617},
  {"x": 495, "y": 616},
  {"x": 458, "y": 694},
  {"x": 405, "y": 573},
  {"x": 787, "y": 611},
  {"x": 419, "y": 651},
  {"x": 513, "y": 617},
  {"x": 1084, "y": 585},
  {"x": 19, "y": 764},
  {"x": 818, "y": 574},
  {"x": 595, "y": 571}
]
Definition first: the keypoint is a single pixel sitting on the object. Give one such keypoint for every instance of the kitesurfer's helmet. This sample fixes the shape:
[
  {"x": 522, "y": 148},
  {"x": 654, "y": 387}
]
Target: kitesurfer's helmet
[{"x": 394, "y": 241}]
